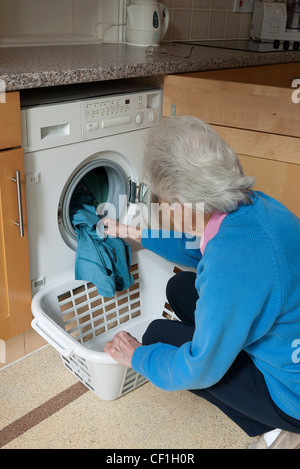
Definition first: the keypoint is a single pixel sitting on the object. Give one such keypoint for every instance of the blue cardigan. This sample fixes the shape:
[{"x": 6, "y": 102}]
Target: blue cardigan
[{"x": 248, "y": 282}]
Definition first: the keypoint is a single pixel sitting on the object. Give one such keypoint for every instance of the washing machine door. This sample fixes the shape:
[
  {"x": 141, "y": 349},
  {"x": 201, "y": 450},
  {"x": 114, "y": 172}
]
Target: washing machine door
[
  {"x": 145, "y": 206},
  {"x": 110, "y": 190}
]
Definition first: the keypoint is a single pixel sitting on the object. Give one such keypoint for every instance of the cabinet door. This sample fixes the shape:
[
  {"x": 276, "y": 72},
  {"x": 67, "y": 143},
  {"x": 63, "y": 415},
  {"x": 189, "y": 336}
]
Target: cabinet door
[
  {"x": 239, "y": 105},
  {"x": 15, "y": 296},
  {"x": 275, "y": 178},
  {"x": 269, "y": 149},
  {"x": 10, "y": 121},
  {"x": 272, "y": 159},
  {"x": 281, "y": 75}
]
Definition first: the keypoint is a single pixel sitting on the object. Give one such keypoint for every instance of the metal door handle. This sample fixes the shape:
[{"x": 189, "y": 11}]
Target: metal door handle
[{"x": 20, "y": 224}]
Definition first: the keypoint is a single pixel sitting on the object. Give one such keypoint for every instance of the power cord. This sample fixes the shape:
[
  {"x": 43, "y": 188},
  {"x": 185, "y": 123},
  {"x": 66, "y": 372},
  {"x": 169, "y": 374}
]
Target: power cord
[{"x": 101, "y": 40}]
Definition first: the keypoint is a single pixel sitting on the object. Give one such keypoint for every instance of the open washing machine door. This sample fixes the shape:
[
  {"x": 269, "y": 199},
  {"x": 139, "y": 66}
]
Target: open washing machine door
[{"x": 113, "y": 194}]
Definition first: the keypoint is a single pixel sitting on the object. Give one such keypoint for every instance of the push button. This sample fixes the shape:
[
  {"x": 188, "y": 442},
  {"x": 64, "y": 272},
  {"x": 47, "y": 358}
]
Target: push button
[
  {"x": 92, "y": 126},
  {"x": 286, "y": 45}
]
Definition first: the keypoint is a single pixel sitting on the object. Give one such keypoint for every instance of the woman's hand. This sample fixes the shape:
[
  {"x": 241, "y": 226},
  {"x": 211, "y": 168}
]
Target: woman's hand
[
  {"x": 114, "y": 228},
  {"x": 119, "y": 230},
  {"x": 122, "y": 347}
]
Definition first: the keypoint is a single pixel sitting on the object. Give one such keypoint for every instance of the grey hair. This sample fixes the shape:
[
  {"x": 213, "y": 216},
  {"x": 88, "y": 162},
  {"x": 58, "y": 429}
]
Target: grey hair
[{"x": 186, "y": 161}]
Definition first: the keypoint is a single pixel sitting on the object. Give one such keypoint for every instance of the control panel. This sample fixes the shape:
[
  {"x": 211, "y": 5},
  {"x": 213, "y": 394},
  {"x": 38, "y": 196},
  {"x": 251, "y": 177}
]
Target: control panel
[{"x": 120, "y": 113}]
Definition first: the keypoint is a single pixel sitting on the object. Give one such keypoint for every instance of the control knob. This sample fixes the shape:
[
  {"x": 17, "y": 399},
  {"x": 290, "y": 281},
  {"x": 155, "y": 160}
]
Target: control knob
[
  {"x": 139, "y": 118},
  {"x": 152, "y": 116},
  {"x": 286, "y": 45}
]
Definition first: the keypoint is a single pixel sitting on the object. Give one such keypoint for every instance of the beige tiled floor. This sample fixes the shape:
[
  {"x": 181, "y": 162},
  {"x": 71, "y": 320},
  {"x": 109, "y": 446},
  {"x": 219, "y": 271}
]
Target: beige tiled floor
[{"x": 145, "y": 418}]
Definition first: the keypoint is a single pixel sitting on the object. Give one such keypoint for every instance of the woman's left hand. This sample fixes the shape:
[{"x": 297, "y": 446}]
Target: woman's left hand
[{"x": 122, "y": 347}]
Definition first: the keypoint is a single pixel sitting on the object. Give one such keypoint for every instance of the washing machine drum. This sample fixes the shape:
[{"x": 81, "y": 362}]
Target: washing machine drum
[
  {"x": 115, "y": 187},
  {"x": 103, "y": 184}
]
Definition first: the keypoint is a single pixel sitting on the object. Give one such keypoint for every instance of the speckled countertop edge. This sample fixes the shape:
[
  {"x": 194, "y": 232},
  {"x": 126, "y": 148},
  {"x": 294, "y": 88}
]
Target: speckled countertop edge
[{"x": 44, "y": 66}]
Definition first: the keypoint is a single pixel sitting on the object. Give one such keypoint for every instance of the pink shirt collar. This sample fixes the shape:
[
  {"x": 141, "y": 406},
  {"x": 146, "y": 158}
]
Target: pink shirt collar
[{"x": 211, "y": 229}]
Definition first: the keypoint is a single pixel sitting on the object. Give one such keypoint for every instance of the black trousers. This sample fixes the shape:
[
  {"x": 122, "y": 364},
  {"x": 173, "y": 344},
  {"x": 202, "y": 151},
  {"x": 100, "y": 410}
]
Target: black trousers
[{"x": 242, "y": 393}]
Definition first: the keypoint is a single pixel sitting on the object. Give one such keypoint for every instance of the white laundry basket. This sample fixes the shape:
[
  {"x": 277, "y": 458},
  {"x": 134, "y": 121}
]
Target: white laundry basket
[{"x": 73, "y": 318}]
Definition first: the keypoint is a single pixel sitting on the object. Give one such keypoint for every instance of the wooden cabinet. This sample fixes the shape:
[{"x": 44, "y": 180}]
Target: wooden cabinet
[
  {"x": 281, "y": 75},
  {"x": 15, "y": 296},
  {"x": 10, "y": 122},
  {"x": 253, "y": 111}
]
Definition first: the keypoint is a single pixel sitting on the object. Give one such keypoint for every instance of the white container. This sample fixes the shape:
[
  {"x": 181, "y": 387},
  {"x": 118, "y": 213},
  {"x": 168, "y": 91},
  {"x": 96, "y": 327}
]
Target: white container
[{"x": 78, "y": 322}]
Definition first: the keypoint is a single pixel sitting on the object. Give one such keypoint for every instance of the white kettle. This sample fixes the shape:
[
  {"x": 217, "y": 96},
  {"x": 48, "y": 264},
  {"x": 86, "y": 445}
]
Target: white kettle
[{"x": 147, "y": 22}]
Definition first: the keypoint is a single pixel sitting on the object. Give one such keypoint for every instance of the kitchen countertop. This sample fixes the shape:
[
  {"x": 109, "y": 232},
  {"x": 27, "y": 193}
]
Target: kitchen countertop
[{"x": 43, "y": 66}]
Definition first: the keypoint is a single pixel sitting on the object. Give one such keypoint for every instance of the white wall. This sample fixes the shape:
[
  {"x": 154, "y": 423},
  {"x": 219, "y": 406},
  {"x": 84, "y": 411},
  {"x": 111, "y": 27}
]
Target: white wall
[
  {"x": 73, "y": 21},
  {"x": 57, "y": 21}
]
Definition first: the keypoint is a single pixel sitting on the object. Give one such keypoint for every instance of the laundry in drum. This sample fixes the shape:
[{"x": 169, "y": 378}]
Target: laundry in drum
[
  {"x": 96, "y": 183},
  {"x": 100, "y": 259}
]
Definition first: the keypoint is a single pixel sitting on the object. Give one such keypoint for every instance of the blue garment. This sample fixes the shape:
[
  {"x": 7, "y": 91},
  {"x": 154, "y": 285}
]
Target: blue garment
[
  {"x": 248, "y": 282},
  {"x": 102, "y": 260}
]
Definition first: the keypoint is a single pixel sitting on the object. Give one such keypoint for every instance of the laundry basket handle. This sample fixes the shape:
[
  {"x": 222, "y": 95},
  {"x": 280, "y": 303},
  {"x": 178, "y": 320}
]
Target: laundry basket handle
[{"x": 53, "y": 336}]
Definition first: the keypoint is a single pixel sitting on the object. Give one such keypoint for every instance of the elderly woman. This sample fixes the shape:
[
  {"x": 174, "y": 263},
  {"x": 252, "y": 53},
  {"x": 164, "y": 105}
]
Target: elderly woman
[{"x": 237, "y": 341}]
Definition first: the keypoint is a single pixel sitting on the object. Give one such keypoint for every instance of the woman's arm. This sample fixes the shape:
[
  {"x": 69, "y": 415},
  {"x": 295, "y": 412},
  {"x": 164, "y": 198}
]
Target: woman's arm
[{"x": 173, "y": 246}]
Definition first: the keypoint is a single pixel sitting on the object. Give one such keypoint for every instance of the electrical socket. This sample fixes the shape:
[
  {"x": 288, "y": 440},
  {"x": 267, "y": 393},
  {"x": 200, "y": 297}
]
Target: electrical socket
[{"x": 243, "y": 6}]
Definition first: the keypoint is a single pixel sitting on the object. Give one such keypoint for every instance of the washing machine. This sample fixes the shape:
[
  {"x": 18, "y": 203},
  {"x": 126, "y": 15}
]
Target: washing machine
[{"x": 69, "y": 136}]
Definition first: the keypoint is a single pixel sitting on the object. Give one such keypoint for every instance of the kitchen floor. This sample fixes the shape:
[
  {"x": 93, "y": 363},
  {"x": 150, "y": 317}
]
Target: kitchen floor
[{"x": 43, "y": 406}]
